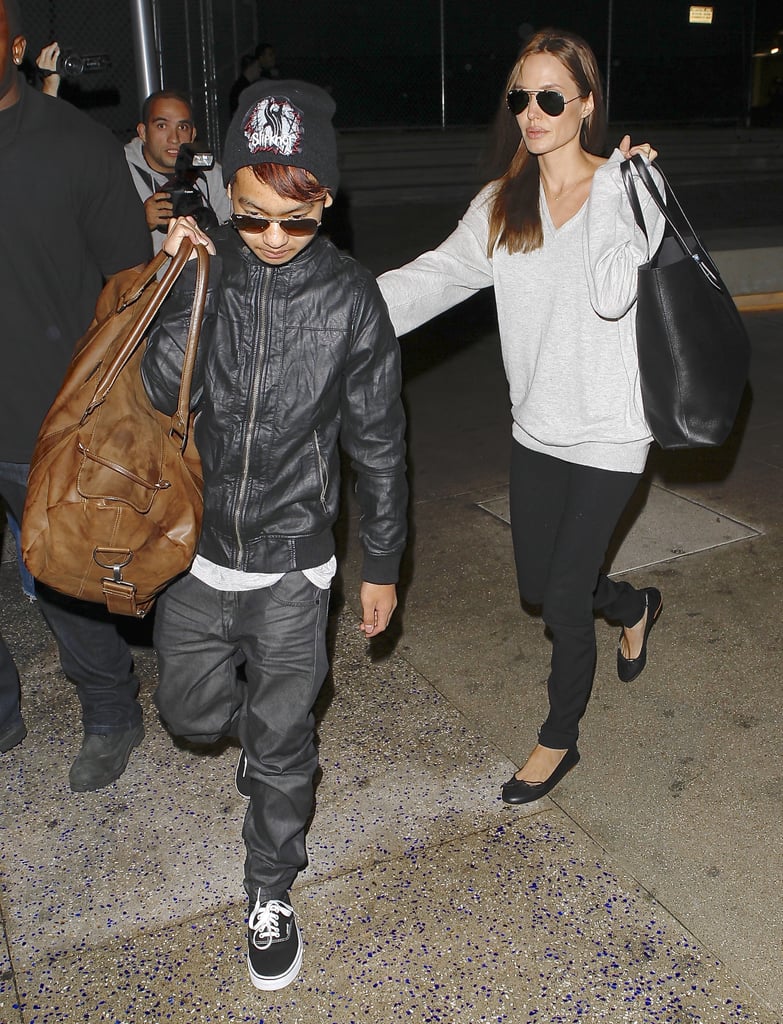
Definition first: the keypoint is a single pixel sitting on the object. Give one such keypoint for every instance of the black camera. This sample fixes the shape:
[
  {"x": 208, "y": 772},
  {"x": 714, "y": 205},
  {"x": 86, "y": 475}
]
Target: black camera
[
  {"x": 70, "y": 64},
  {"x": 186, "y": 198}
]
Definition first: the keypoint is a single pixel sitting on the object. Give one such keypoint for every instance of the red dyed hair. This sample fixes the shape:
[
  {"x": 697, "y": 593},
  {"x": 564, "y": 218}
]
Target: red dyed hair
[{"x": 290, "y": 182}]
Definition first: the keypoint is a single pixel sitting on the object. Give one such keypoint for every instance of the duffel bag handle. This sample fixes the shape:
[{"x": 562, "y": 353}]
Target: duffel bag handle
[
  {"x": 179, "y": 420},
  {"x": 148, "y": 274}
]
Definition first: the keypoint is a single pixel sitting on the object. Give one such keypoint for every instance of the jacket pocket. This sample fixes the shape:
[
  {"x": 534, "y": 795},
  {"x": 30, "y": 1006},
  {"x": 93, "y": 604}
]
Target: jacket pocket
[{"x": 323, "y": 472}]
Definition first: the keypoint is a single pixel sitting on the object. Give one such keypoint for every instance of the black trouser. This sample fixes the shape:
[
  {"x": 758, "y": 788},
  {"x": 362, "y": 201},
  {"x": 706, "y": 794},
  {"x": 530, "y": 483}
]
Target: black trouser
[
  {"x": 92, "y": 653},
  {"x": 279, "y": 634},
  {"x": 562, "y": 518}
]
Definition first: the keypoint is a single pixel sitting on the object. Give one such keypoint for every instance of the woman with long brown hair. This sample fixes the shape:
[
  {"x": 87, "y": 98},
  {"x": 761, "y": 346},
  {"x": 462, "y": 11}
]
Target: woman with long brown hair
[{"x": 555, "y": 234}]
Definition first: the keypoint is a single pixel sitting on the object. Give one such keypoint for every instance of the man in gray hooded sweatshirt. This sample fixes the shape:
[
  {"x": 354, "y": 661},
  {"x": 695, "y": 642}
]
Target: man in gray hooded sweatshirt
[{"x": 166, "y": 123}]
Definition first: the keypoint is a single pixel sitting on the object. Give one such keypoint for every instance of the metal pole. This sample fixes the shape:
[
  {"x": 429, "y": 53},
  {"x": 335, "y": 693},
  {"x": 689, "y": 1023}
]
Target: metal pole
[
  {"x": 442, "y": 66},
  {"x": 609, "y": 57},
  {"x": 158, "y": 40},
  {"x": 188, "y": 44},
  {"x": 147, "y": 66},
  {"x": 751, "y": 48},
  {"x": 234, "y": 37},
  {"x": 210, "y": 77}
]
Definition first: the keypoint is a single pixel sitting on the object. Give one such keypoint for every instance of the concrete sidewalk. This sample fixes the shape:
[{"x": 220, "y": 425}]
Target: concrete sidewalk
[{"x": 646, "y": 888}]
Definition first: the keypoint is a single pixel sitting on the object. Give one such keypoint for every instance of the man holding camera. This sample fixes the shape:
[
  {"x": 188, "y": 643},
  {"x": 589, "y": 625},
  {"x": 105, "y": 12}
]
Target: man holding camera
[
  {"x": 70, "y": 219},
  {"x": 161, "y": 181}
]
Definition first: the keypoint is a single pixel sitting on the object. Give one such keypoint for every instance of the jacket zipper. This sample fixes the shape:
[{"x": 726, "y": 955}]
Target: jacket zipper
[
  {"x": 322, "y": 474},
  {"x": 266, "y": 288}
]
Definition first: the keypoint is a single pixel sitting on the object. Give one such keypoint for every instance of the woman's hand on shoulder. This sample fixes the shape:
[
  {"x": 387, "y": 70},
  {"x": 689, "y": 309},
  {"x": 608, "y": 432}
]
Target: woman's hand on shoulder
[
  {"x": 186, "y": 227},
  {"x": 628, "y": 150}
]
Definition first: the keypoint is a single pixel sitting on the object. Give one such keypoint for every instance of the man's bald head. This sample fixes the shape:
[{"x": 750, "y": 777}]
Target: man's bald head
[{"x": 13, "y": 18}]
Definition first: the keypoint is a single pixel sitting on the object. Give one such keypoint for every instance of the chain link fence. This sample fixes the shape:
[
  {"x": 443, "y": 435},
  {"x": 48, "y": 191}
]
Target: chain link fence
[{"x": 412, "y": 64}]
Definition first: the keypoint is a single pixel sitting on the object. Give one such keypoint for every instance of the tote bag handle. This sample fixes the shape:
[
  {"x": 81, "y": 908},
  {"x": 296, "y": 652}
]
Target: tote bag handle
[{"x": 669, "y": 206}]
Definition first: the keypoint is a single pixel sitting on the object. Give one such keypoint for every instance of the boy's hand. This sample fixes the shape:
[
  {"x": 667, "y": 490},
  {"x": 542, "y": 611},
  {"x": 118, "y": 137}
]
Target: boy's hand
[
  {"x": 186, "y": 227},
  {"x": 378, "y": 602}
]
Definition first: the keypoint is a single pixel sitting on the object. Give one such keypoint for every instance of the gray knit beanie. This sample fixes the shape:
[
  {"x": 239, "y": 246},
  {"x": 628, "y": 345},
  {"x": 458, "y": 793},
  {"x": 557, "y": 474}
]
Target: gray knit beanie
[{"x": 283, "y": 122}]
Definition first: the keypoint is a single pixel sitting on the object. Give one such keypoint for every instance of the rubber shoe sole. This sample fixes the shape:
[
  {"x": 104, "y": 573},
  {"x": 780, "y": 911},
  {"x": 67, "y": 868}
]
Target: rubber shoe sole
[
  {"x": 241, "y": 778},
  {"x": 273, "y": 984}
]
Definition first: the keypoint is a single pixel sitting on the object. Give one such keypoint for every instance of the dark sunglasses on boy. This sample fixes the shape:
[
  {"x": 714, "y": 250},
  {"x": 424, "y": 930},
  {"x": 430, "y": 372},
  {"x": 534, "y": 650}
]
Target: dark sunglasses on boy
[
  {"x": 551, "y": 102},
  {"x": 299, "y": 226}
]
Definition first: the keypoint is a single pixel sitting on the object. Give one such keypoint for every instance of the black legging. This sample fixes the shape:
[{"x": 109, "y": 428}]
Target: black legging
[{"x": 562, "y": 518}]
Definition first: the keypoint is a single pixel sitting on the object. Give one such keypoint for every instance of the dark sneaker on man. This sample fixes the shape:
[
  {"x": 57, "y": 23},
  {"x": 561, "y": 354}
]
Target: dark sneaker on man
[
  {"x": 274, "y": 944},
  {"x": 103, "y": 758},
  {"x": 241, "y": 778},
  {"x": 13, "y": 735}
]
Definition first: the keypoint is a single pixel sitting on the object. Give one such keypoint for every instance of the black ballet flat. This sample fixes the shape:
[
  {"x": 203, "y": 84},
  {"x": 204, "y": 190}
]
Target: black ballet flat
[
  {"x": 516, "y": 791},
  {"x": 629, "y": 668}
]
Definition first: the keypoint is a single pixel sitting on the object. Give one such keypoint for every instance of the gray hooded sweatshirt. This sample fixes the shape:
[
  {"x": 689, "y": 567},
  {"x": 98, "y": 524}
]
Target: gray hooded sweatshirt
[{"x": 148, "y": 182}]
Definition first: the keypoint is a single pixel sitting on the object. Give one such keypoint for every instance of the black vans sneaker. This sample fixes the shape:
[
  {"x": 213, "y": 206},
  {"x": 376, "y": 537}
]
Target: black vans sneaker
[
  {"x": 274, "y": 944},
  {"x": 241, "y": 778}
]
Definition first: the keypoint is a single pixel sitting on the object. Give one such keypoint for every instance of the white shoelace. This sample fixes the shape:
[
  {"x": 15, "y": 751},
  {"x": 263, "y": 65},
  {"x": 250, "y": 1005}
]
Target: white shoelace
[{"x": 264, "y": 921}]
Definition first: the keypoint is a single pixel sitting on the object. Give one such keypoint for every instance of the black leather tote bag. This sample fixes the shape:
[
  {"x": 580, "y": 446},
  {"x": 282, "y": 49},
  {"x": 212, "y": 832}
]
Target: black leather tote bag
[{"x": 692, "y": 345}]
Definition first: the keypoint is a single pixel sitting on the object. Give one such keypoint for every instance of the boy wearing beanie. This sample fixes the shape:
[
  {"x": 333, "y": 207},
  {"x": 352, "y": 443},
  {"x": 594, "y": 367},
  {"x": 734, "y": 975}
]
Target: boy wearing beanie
[{"x": 296, "y": 351}]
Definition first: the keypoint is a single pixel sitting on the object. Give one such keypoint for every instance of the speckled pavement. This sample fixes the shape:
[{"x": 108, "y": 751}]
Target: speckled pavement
[
  {"x": 426, "y": 899},
  {"x": 645, "y": 889}
]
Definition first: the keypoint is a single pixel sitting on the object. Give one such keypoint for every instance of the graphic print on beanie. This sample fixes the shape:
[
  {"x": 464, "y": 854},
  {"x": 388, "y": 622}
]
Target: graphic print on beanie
[{"x": 274, "y": 126}]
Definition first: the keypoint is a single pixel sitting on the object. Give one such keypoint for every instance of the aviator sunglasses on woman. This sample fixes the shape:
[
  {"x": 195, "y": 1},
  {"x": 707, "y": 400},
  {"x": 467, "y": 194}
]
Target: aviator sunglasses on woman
[{"x": 551, "y": 102}]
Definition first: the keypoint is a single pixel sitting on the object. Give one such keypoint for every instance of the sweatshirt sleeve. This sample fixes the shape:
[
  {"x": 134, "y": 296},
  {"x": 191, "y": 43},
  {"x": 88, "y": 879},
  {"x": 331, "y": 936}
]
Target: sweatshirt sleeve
[
  {"x": 615, "y": 246},
  {"x": 443, "y": 277}
]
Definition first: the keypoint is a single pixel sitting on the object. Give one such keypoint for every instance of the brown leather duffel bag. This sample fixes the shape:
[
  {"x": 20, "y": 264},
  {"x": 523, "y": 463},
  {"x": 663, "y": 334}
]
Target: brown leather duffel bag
[{"x": 113, "y": 509}]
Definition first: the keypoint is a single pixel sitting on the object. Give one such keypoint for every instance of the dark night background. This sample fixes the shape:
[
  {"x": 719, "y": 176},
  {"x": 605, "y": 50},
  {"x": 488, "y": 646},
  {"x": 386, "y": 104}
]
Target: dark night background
[
  {"x": 386, "y": 68},
  {"x": 383, "y": 61}
]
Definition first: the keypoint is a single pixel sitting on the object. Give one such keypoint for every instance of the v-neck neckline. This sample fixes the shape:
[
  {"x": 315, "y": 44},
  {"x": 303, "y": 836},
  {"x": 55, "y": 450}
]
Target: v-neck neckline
[{"x": 544, "y": 205}]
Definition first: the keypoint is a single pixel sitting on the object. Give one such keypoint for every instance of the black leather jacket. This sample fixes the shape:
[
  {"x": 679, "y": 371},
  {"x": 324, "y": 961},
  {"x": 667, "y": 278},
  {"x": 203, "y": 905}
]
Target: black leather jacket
[{"x": 290, "y": 358}]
